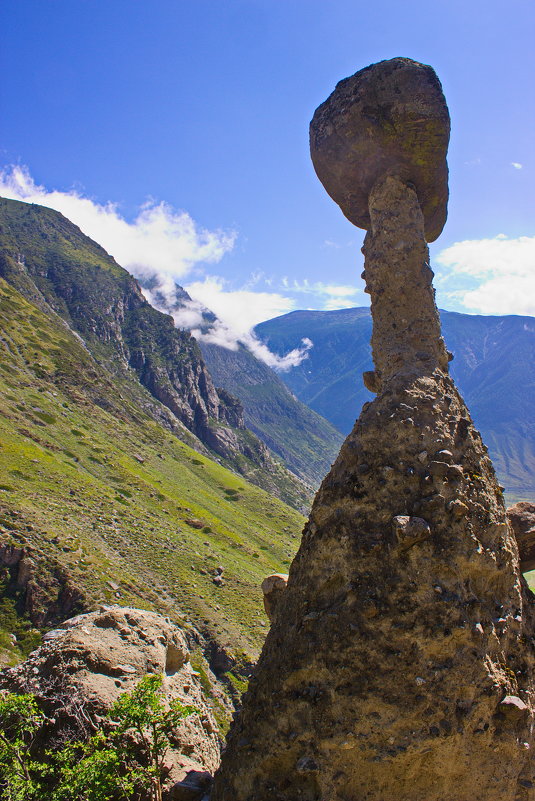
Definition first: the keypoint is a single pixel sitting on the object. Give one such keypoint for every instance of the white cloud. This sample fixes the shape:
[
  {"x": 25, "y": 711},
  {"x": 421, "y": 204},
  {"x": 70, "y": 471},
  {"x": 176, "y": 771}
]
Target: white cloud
[
  {"x": 240, "y": 308},
  {"x": 238, "y": 311},
  {"x": 159, "y": 239},
  {"x": 169, "y": 244},
  {"x": 330, "y": 294},
  {"x": 516, "y": 165},
  {"x": 500, "y": 271},
  {"x": 333, "y": 303}
]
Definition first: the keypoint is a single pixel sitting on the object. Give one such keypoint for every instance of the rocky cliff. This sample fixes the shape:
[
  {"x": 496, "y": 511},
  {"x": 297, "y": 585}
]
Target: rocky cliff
[
  {"x": 303, "y": 439},
  {"x": 54, "y": 265}
]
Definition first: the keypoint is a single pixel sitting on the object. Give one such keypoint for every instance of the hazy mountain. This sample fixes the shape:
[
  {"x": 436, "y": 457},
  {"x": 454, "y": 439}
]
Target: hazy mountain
[{"x": 494, "y": 367}]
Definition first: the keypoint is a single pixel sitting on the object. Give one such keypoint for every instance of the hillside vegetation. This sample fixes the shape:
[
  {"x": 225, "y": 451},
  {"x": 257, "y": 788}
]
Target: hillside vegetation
[
  {"x": 55, "y": 266},
  {"x": 92, "y": 484}
]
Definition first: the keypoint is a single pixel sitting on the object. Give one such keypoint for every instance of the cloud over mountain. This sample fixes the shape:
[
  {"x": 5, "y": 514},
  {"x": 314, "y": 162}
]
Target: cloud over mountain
[{"x": 490, "y": 276}]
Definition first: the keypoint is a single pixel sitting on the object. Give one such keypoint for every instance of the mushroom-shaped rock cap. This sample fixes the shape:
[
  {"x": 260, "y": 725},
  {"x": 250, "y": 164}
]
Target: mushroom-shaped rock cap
[{"x": 390, "y": 118}]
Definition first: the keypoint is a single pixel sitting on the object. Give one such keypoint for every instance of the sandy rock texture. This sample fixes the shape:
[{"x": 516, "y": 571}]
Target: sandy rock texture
[
  {"x": 400, "y": 661},
  {"x": 84, "y": 666},
  {"x": 400, "y": 665}
]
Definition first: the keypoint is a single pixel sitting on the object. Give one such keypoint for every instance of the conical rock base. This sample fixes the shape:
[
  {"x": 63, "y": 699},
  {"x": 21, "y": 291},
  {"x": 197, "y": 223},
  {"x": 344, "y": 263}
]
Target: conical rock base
[{"x": 399, "y": 666}]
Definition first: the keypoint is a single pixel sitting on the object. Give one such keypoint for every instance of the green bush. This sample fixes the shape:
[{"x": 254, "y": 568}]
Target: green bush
[{"x": 122, "y": 761}]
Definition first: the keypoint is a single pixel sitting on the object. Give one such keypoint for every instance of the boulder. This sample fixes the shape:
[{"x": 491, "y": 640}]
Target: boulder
[
  {"x": 193, "y": 787},
  {"x": 521, "y": 518},
  {"x": 273, "y": 588},
  {"x": 86, "y": 664},
  {"x": 390, "y": 118}
]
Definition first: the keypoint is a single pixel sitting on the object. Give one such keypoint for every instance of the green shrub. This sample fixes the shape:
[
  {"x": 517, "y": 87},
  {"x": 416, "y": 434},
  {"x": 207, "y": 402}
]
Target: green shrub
[{"x": 122, "y": 761}]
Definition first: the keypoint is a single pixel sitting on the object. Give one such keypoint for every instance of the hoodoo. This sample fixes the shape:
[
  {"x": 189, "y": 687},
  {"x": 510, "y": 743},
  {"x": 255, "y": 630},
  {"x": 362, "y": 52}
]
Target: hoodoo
[{"x": 400, "y": 659}]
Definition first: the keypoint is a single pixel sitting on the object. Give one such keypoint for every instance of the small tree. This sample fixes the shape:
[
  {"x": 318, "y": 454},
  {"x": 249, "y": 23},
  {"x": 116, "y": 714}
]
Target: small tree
[
  {"x": 20, "y": 775},
  {"x": 123, "y": 760}
]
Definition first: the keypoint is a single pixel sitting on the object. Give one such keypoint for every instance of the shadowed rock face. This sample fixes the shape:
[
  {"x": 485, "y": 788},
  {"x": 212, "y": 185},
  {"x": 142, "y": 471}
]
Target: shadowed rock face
[{"x": 399, "y": 664}]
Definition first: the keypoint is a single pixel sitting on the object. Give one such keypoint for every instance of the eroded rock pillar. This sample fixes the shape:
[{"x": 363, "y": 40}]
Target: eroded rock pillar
[
  {"x": 406, "y": 325},
  {"x": 399, "y": 665}
]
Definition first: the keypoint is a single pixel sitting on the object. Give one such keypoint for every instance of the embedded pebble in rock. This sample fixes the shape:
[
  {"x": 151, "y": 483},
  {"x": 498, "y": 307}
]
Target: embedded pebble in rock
[{"x": 400, "y": 664}]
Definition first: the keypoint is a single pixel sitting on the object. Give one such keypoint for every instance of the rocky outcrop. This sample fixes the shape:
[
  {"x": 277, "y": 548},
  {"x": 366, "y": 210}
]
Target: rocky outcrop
[
  {"x": 84, "y": 666},
  {"x": 400, "y": 663},
  {"x": 43, "y": 588},
  {"x": 521, "y": 518},
  {"x": 388, "y": 119},
  {"x": 273, "y": 589}
]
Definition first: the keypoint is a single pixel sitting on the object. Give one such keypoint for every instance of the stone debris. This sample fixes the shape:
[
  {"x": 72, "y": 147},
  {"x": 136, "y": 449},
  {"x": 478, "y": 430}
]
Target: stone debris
[
  {"x": 195, "y": 786},
  {"x": 407, "y": 631}
]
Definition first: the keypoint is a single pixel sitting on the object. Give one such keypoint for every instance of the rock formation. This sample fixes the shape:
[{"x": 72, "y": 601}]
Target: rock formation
[
  {"x": 273, "y": 588},
  {"x": 399, "y": 664},
  {"x": 84, "y": 666}
]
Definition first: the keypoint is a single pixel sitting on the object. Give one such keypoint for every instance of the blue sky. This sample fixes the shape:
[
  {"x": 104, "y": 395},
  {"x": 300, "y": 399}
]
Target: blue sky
[{"x": 201, "y": 108}]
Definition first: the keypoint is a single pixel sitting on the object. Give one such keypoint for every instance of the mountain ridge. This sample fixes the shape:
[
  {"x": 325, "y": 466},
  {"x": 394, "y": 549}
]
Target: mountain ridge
[
  {"x": 57, "y": 267},
  {"x": 493, "y": 366},
  {"x": 305, "y": 441}
]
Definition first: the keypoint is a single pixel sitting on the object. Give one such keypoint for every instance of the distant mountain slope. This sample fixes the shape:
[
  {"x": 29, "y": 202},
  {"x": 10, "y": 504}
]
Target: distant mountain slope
[
  {"x": 54, "y": 265},
  {"x": 114, "y": 505},
  {"x": 329, "y": 380},
  {"x": 306, "y": 442},
  {"x": 494, "y": 367}
]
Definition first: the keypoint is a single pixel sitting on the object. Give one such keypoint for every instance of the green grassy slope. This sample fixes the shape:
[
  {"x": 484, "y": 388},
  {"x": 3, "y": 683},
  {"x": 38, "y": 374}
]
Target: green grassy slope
[
  {"x": 96, "y": 485},
  {"x": 54, "y": 265}
]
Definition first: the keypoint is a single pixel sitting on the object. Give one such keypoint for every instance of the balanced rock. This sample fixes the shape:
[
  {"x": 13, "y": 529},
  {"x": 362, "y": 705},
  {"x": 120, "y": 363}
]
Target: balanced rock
[
  {"x": 83, "y": 667},
  {"x": 401, "y": 664},
  {"x": 390, "y": 118}
]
